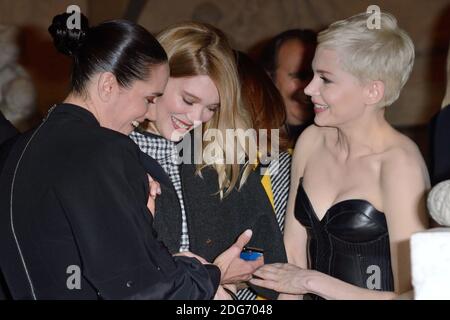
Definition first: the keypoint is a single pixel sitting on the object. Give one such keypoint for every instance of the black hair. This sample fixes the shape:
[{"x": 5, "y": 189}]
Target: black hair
[
  {"x": 269, "y": 54},
  {"x": 121, "y": 47}
]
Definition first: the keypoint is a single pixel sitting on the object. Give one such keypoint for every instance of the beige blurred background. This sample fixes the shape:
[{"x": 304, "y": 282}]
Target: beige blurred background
[{"x": 246, "y": 22}]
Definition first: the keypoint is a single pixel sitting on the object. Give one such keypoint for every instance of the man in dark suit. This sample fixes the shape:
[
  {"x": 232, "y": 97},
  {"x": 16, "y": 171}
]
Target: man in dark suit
[
  {"x": 8, "y": 134},
  {"x": 7, "y": 130},
  {"x": 440, "y": 146}
]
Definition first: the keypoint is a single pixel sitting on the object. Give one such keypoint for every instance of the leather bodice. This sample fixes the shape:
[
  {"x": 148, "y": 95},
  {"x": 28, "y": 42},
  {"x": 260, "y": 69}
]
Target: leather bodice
[{"x": 350, "y": 243}]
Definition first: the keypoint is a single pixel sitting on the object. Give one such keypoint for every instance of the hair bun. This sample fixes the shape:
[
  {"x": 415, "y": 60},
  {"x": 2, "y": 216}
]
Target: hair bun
[{"x": 66, "y": 40}]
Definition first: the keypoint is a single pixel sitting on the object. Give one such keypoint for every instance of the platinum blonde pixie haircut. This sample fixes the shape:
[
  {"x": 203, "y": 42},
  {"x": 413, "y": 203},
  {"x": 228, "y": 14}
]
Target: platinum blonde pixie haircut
[
  {"x": 385, "y": 54},
  {"x": 200, "y": 49}
]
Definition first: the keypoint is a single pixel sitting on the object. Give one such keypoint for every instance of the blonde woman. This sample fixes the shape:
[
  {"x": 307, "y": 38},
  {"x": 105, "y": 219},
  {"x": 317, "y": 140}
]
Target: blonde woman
[
  {"x": 358, "y": 186},
  {"x": 211, "y": 203}
]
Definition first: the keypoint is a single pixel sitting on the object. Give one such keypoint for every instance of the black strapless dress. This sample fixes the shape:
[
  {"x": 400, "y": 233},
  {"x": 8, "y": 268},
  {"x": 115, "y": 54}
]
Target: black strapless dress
[{"x": 350, "y": 243}]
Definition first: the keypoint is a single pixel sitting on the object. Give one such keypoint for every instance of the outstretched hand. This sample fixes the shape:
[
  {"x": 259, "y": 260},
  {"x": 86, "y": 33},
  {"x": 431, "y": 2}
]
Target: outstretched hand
[
  {"x": 233, "y": 268},
  {"x": 282, "y": 277}
]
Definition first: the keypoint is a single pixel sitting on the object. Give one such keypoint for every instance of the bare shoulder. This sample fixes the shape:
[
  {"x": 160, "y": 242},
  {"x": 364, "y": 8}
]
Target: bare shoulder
[
  {"x": 403, "y": 162},
  {"x": 307, "y": 143},
  {"x": 310, "y": 138}
]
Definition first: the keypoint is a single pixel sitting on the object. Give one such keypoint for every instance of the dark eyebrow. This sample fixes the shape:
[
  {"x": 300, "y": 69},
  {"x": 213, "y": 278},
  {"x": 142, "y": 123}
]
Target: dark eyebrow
[{"x": 157, "y": 94}]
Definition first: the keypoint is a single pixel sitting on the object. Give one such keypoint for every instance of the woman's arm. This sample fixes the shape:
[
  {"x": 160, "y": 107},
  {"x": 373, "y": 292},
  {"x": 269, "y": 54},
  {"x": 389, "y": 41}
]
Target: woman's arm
[
  {"x": 295, "y": 237},
  {"x": 404, "y": 185},
  {"x": 404, "y": 182},
  {"x": 293, "y": 280}
]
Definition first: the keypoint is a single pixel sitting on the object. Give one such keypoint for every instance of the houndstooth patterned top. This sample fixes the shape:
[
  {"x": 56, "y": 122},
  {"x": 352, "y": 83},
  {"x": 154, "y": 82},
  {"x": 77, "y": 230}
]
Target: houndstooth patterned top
[{"x": 165, "y": 152}]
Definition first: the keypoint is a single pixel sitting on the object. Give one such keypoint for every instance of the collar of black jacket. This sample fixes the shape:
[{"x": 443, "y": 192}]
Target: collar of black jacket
[
  {"x": 76, "y": 111},
  {"x": 151, "y": 166}
]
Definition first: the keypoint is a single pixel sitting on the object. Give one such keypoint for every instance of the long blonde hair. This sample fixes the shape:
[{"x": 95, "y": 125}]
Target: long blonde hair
[{"x": 201, "y": 49}]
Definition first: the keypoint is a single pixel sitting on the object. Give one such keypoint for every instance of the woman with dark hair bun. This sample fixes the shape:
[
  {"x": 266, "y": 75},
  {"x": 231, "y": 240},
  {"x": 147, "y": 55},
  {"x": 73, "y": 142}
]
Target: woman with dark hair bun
[{"x": 75, "y": 195}]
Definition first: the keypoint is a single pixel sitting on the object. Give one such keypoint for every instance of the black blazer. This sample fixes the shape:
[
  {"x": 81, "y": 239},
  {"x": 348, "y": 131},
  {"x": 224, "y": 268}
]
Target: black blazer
[
  {"x": 79, "y": 201},
  {"x": 8, "y": 134},
  {"x": 7, "y": 130},
  {"x": 440, "y": 146}
]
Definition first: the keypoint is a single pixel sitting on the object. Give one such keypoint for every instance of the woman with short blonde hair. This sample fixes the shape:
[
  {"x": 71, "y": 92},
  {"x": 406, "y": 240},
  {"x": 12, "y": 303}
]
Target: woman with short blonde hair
[
  {"x": 386, "y": 54},
  {"x": 358, "y": 186}
]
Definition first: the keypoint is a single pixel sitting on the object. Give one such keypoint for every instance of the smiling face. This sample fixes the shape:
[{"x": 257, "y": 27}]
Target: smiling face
[
  {"x": 338, "y": 96},
  {"x": 291, "y": 77},
  {"x": 131, "y": 105},
  {"x": 187, "y": 103}
]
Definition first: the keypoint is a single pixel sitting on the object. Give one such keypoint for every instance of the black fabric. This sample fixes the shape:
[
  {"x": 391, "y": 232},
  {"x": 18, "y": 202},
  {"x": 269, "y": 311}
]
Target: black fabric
[
  {"x": 440, "y": 146},
  {"x": 295, "y": 131},
  {"x": 80, "y": 197},
  {"x": 350, "y": 239},
  {"x": 5, "y": 148},
  {"x": 8, "y": 135},
  {"x": 215, "y": 224},
  {"x": 4, "y": 292},
  {"x": 153, "y": 168},
  {"x": 7, "y": 130}
]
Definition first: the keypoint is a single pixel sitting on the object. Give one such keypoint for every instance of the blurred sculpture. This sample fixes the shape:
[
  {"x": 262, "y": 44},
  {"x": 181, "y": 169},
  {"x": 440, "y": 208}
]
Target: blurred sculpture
[
  {"x": 430, "y": 252},
  {"x": 17, "y": 94},
  {"x": 430, "y": 249},
  {"x": 439, "y": 203}
]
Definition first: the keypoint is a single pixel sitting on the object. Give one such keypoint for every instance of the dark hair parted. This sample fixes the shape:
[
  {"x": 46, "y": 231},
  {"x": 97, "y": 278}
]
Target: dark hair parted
[
  {"x": 269, "y": 54},
  {"x": 121, "y": 47},
  {"x": 262, "y": 99}
]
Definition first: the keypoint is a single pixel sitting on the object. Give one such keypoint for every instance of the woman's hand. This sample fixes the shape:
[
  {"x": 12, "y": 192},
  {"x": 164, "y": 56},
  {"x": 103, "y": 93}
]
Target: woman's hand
[
  {"x": 282, "y": 277},
  {"x": 233, "y": 268},
  {"x": 155, "y": 189}
]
